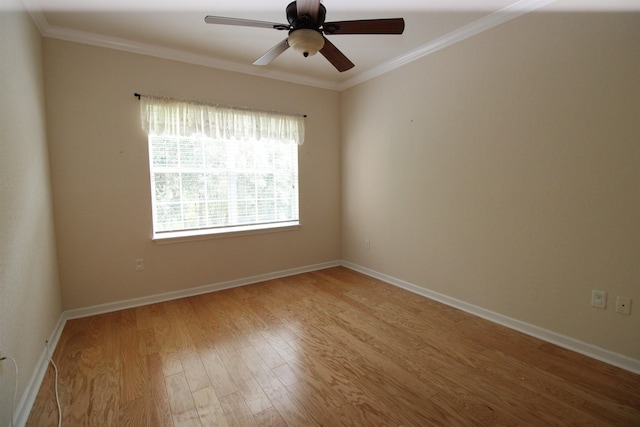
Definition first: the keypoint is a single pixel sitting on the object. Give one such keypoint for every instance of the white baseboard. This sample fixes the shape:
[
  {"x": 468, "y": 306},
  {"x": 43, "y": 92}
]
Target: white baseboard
[
  {"x": 606, "y": 356},
  {"x": 152, "y": 299},
  {"x": 23, "y": 409},
  {"x": 25, "y": 404}
]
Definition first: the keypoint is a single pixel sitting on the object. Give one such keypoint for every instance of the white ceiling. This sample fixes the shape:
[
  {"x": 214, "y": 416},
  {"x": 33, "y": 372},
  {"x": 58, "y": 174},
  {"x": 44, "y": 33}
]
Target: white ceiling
[{"x": 175, "y": 29}]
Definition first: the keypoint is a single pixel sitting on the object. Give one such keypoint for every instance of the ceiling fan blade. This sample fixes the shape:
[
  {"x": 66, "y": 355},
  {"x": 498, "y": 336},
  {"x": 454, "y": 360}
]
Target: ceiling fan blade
[
  {"x": 244, "y": 22},
  {"x": 308, "y": 7},
  {"x": 337, "y": 58},
  {"x": 365, "y": 26},
  {"x": 273, "y": 53}
]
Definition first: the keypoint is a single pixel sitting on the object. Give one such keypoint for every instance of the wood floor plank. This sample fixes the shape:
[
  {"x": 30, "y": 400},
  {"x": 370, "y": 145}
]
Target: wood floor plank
[
  {"x": 171, "y": 362},
  {"x": 217, "y": 372},
  {"x": 312, "y": 379},
  {"x": 253, "y": 395},
  {"x": 327, "y": 348},
  {"x": 166, "y": 339},
  {"x": 270, "y": 418},
  {"x": 209, "y": 408},
  {"x": 133, "y": 370},
  {"x": 45, "y": 412},
  {"x": 146, "y": 339},
  {"x": 237, "y": 411},
  {"x": 304, "y": 396},
  {"x": 406, "y": 403},
  {"x": 464, "y": 409},
  {"x": 101, "y": 368},
  {"x": 361, "y": 413},
  {"x": 194, "y": 370},
  {"x": 179, "y": 312},
  {"x": 291, "y": 412},
  {"x": 158, "y": 398},
  {"x": 209, "y": 332},
  {"x": 135, "y": 413},
  {"x": 491, "y": 335},
  {"x": 535, "y": 379},
  {"x": 510, "y": 396},
  {"x": 144, "y": 317},
  {"x": 266, "y": 351},
  {"x": 183, "y": 407}
]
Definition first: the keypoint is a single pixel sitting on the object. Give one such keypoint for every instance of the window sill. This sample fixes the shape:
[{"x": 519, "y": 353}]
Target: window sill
[{"x": 193, "y": 235}]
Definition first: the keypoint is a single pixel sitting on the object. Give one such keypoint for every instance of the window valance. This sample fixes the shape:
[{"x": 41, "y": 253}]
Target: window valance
[{"x": 162, "y": 116}]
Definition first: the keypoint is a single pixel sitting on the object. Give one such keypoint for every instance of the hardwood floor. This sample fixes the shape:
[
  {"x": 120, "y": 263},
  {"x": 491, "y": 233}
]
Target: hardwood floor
[{"x": 330, "y": 348}]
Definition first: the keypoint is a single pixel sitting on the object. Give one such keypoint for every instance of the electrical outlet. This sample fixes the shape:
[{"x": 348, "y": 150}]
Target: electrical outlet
[
  {"x": 139, "y": 264},
  {"x": 623, "y": 305},
  {"x": 367, "y": 244},
  {"x": 598, "y": 299}
]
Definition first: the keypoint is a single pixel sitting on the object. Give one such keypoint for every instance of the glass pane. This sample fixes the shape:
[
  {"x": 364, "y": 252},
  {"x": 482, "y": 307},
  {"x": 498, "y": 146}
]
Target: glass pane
[
  {"x": 191, "y": 153},
  {"x": 194, "y": 215},
  {"x": 265, "y": 185},
  {"x": 217, "y": 186},
  {"x": 266, "y": 210},
  {"x": 284, "y": 186},
  {"x": 246, "y": 211},
  {"x": 164, "y": 152},
  {"x": 214, "y": 154},
  {"x": 167, "y": 187},
  {"x": 217, "y": 214},
  {"x": 283, "y": 155},
  {"x": 264, "y": 155},
  {"x": 246, "y": 186},
  {"x": 193, "y": 186},
  {"x": 244, "y": 155},
  {"x": 168, "y": 216},
  {"x": 284, "y": 210}
]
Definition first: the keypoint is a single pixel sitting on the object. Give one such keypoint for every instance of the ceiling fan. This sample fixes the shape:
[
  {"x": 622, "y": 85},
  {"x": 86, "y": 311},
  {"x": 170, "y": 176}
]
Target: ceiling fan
[{"x": 307, "y": 29}]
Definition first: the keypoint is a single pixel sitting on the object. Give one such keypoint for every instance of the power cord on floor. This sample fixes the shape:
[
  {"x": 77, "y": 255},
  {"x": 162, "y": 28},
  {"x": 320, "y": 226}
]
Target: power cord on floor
[
  {"x": 15, "y": 388},
  {"x": 55, "y": 368}
]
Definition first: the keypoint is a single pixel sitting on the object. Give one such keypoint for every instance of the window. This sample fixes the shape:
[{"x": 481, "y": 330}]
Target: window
[{"x": 239, "y": 175}]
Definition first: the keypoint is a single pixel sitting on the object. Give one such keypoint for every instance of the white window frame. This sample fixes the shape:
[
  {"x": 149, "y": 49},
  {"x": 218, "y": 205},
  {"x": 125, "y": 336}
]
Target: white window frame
[
  {"x": 166, "y": 119},
  {"x": 235, "y": 224}
]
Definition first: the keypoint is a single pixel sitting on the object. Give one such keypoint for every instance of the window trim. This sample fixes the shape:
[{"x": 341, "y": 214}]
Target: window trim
[
  {"x": 175, "y": 118},
  {"x": 175, "y": 236},
  {"x": 212, "y": 233}
]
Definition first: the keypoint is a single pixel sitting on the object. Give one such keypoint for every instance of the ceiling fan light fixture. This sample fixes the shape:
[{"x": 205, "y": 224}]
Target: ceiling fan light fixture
[{"x": 306, "y": 41}]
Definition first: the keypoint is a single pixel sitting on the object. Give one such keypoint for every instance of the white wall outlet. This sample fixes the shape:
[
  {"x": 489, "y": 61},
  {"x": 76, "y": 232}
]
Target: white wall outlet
[
  {"x": 623, "y": 305},
  {"x": 139, "y": 264},
  {"x": 598, "y": 299},
  {"x": 367, "y": 244}
]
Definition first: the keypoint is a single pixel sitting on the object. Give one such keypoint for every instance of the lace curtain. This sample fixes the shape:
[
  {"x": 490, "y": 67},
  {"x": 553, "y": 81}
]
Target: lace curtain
[{"x": 170, "y": 117}]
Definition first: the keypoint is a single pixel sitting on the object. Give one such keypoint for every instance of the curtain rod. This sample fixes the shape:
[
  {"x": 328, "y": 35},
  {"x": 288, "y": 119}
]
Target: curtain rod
[{"x": 138, "y": 95}]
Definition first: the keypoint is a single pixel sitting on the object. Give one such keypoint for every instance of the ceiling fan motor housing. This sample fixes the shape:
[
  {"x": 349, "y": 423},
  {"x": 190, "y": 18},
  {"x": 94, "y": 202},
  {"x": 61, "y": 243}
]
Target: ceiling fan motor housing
[
  {"x": 305, "y": 20},
  {"x": 305, "y": 35}
]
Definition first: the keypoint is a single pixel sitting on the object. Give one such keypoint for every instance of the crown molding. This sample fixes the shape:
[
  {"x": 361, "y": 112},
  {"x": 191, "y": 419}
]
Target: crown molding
[
  {"x": 125, "y": 45},
  {"x": 492, "y": 20},
  {"x": 485, "y": 23}
]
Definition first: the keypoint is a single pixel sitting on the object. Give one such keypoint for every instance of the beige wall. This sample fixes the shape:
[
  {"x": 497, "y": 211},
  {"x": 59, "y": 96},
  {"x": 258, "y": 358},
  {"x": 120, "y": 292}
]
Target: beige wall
[
  {"x": 29, "y": 291},
  {"x": 505, "y": 171},
  {"x": 101, "y": 176}
]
